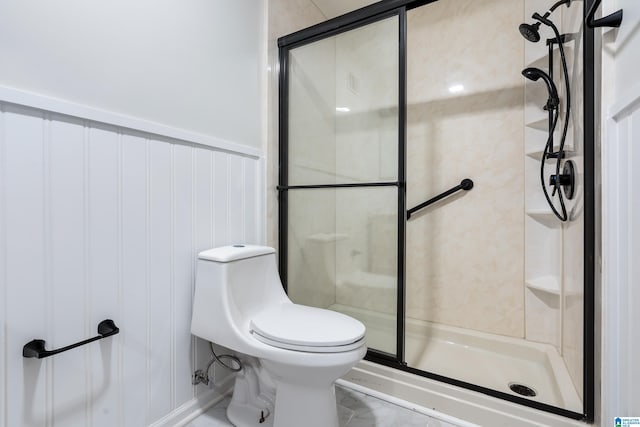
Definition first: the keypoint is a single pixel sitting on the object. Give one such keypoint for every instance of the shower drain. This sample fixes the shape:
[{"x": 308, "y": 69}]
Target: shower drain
[{"x": 522, "y": 389}]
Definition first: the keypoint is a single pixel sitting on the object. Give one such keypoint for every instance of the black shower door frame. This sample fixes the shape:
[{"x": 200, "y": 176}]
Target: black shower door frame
[
  {"x": 386, "y": 9},
  {"x": 302, "y": 38}
]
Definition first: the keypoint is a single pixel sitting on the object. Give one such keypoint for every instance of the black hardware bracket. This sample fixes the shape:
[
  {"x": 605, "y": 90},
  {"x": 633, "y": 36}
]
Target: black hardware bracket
[
  {"x": 614, "y": 20},
  {"x": 36, "y": 349},
  {"x": 466, "y": 184}
]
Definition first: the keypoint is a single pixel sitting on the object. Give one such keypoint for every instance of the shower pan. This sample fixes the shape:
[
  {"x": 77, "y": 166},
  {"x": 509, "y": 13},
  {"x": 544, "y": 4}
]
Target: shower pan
[{"x": 409, "y": 191}]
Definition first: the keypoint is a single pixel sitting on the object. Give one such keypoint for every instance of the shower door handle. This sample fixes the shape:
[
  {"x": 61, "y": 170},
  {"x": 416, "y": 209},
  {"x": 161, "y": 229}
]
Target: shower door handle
[{"x": 466, "y": 185}]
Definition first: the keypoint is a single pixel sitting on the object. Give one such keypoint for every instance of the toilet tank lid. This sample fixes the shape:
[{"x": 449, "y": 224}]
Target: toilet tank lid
[{"x": 234, "y": 252}]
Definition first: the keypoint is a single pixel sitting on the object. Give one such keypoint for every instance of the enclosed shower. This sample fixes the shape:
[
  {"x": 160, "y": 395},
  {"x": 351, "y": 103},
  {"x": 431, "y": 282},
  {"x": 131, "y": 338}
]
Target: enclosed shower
[{"x": 435, "y": 183}]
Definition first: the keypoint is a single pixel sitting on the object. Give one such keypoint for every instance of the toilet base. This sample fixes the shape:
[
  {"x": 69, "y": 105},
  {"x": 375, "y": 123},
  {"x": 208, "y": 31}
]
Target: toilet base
[
  {"x": 305, "y": 391},
  {"x": 247, "y": 415},
  {"x": 298, "y": 405},
  {"x": 253, "y": 396}
]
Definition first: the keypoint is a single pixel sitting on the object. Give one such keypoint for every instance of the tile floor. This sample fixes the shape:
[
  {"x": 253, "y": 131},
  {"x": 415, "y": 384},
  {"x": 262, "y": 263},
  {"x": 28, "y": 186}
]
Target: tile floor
[{"x": 355, "y": 409}]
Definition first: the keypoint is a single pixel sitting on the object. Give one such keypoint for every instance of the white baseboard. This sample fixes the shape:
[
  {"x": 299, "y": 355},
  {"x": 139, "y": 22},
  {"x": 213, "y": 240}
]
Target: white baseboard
[{"x": 194, "y": 408}]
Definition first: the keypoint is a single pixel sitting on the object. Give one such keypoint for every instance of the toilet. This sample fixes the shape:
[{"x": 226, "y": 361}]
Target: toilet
[{"x": 240, "y": 304}]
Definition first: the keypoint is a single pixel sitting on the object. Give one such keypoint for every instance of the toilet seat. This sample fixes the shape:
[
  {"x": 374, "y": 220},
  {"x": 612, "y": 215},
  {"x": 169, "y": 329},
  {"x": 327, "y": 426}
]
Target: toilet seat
[{"x": 302, "y": 328}]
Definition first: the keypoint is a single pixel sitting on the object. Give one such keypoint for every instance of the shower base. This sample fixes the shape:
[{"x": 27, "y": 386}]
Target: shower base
[{"x": 488, "y": 360}]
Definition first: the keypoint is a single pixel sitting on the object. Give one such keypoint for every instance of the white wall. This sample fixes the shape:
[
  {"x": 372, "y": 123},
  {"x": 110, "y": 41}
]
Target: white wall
[
  {"x": 98, "y": 221},
  {"x": 620, "y": 214},
  {"x": 130, "y": 139},
  {"x": 193, "y": 65}
]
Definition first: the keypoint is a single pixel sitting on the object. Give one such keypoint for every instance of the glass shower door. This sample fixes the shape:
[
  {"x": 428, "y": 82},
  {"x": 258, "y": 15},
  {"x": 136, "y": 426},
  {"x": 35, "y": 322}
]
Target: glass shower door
[{"x": 339, "y": 191}]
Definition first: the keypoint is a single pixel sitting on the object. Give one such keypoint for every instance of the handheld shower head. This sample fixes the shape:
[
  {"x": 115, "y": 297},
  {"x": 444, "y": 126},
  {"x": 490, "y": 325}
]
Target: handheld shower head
[
  {"x": 530, "y": 32},
  {"x": 535, "y": 74}
]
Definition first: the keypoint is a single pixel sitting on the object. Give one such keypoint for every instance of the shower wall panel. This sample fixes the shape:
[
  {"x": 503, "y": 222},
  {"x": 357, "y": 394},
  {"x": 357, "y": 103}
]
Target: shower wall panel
[
  {"x": 312, "y": 160},
  {"x": 543, "y": 231},
  {"x": 102, "y": 221},
  {"x": 554, "y": 265},
  {"x": 573, "y": 232},
  {"x": 465, "y": 263},
  {"x": 367, "y": 150},
  {"x": 284, "y": 17}
]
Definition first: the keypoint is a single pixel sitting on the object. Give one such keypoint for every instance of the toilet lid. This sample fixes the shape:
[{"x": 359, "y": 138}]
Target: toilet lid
[{"x": 292, "y": 326}]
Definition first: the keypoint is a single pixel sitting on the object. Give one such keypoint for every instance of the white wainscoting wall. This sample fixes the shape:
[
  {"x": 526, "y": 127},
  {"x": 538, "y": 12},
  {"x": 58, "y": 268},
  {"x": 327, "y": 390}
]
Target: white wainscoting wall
[
  {"x": 620, "y": 332},
  {"x": 621, "y": 269},
  {"x": 101, "y": 216}
]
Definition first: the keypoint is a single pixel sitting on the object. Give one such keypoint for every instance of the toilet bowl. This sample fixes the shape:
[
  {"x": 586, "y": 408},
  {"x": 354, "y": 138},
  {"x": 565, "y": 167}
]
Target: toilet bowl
[{"x": 239, "y": 303}]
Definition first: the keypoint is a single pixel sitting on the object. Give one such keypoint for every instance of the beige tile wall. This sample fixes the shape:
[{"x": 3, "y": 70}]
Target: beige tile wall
[
  {"x": 465, "y": 255},
  {"x": 465, "y": 263},
  {"x": 284, "y": 17},
  {"x": 557, "y": 251},
  {"x": 573, "y": 237},
  {"x": 476, "y": 133}
]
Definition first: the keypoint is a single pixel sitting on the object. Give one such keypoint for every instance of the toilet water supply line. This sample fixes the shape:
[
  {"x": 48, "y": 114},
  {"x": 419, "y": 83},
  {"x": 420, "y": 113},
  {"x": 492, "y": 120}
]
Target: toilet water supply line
[{"x": 202, "y": 376}]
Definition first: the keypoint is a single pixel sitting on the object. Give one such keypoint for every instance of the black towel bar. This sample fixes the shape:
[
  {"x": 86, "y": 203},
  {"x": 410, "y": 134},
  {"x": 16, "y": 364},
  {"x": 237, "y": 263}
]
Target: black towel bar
[
  {"x": 35, "y": 348},
  {"x": 465, "y": 185}
]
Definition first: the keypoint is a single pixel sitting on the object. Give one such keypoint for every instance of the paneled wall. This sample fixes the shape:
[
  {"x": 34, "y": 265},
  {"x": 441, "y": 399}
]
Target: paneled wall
[
  {"x": 620, "y": 290},
  {"x": 102, "y": 221}
]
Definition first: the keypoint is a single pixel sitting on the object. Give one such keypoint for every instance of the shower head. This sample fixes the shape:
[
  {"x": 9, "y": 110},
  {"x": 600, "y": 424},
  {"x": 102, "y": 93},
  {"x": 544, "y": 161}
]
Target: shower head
[
  {"x": 535, "y": 74},
  {"x": 530, "y": 32}
]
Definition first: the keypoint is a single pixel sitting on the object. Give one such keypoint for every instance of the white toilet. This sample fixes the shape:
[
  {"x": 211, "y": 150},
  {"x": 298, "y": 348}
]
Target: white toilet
[{"x": 240, "y": 304}]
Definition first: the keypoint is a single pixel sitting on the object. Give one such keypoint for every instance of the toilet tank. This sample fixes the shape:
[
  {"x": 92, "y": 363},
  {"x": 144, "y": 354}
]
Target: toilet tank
[{"x": 233, "y": 283}]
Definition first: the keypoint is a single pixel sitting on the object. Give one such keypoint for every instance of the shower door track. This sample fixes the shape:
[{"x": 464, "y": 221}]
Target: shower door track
[{"x": 384, "y": 9}]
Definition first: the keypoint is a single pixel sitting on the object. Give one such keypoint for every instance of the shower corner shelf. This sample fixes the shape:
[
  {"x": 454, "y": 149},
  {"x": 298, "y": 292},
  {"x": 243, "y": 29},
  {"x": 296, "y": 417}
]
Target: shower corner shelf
[
  {"x": 537, "y": 155},
  {"x": 546, "y": 218},
  {"x": 543, "y": 61},
  {"x": 546, "y": 284},
  {"x": 541, "y": 124}
]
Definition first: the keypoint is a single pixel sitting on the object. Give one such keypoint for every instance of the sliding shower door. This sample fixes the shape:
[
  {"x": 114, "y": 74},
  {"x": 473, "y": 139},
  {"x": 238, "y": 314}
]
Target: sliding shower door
[
  {"x": 340, "y": 176},
  {"x": 484, "y": 289}
]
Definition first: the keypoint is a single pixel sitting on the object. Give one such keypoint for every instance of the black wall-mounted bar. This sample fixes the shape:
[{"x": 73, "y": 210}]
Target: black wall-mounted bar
[
  {"x": 36, "y": 349},
  {"x": 612, "y": 20},
  {"x": 466, "y": 184}
]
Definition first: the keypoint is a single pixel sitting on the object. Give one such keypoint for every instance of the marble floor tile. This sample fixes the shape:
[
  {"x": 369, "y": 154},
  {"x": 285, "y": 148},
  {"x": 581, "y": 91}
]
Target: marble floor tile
[
  {"x": 369, "y": 411},
  {"x": 355, "y": 409},
  {"x": 214, "y": 417}
]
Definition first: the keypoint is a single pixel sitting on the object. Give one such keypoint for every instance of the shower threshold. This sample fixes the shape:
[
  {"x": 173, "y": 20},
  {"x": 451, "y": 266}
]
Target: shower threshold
[{"x": 488, "y": 360}]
